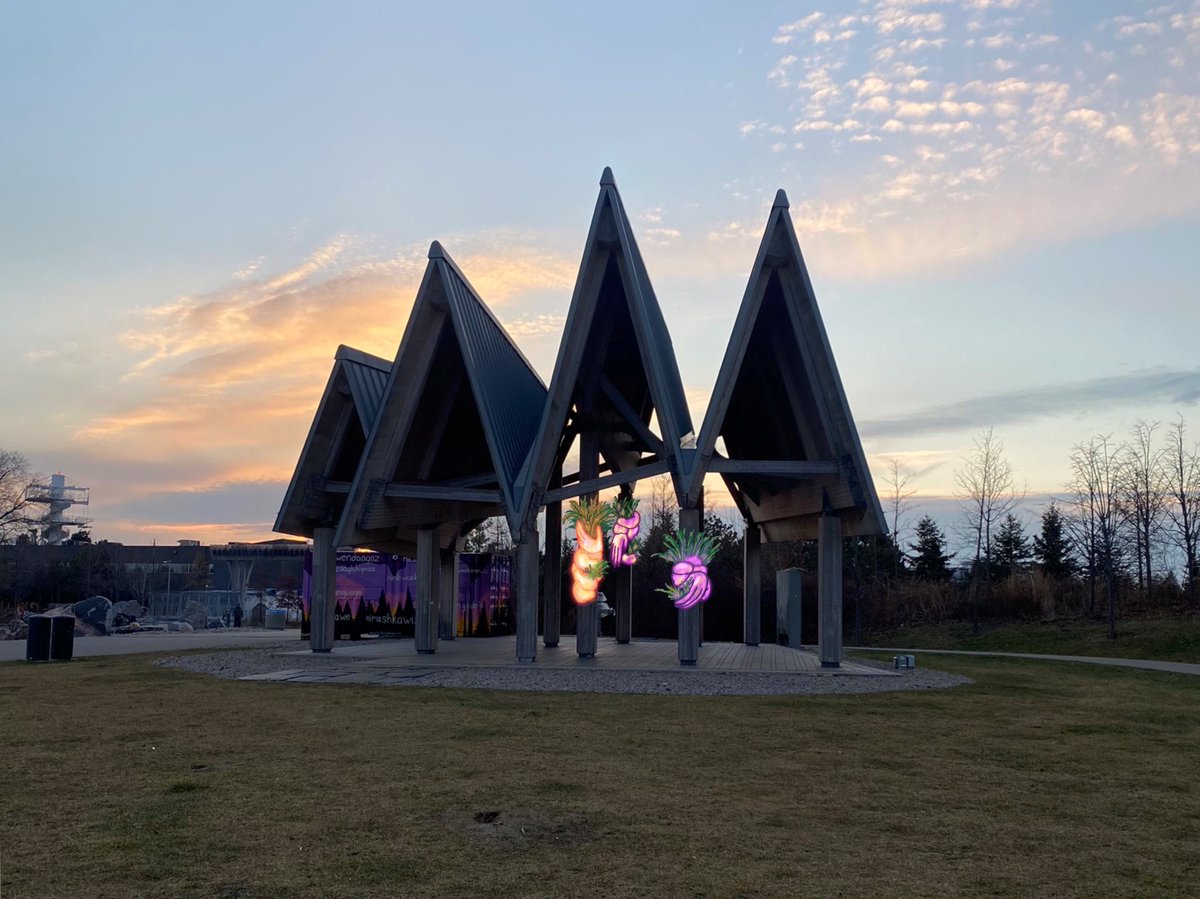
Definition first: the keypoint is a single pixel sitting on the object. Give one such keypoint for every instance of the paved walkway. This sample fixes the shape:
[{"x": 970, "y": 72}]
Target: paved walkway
[
  {"x": 1148, "y": 664},
  {"x": 127, "y": 644}
]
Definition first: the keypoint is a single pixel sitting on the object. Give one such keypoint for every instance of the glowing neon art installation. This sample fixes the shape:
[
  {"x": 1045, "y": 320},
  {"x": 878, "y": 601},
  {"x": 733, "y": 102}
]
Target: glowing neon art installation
[
  {"x": 624, "y": 549},
  {"x": 689, "y": 552},
  {"x": 591, "y": 519}
]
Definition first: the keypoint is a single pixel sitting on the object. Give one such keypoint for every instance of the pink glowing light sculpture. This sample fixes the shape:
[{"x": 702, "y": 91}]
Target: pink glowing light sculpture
[
  {"x": 689, "y": 553},
  {"x": 624, "y": 548}
]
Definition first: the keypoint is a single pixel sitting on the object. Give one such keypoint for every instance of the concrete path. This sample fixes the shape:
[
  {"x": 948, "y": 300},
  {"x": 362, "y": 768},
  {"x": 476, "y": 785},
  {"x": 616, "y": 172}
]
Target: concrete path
[
  {"x": 1148, "y": 664},
  {"x": 128, "y": 644}
]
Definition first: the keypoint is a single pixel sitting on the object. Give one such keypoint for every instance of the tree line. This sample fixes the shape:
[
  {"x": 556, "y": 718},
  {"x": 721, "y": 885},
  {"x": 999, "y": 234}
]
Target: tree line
[{"x": 1126, "y": 524}]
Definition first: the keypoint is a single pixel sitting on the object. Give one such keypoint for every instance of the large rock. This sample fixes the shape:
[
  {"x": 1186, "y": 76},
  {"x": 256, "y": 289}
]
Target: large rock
[
  {"x": 196, "y": 614},
  {"x": 179, "y": 627},
  {"x": 94, "y": 611},
  {"x": 130, "y": 608},
  {"x": 83, "y": 629}
]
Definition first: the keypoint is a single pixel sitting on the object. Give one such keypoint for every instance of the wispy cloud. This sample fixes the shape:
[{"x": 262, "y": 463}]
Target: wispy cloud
[
  {"x": 1021, "y": 116},
  {"x": 1180, "y": 387}
]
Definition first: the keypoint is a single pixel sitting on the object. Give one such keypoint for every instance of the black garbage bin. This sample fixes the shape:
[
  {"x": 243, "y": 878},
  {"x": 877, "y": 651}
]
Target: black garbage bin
[
  {"x": 62, "y": 638},
  {"x": 37, "y": 643}
]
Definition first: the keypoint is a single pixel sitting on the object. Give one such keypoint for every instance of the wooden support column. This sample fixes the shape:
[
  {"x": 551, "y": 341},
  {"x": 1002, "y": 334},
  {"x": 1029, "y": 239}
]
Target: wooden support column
[
  {"x": 587, "y": 616},
  {"x": 527, "y": 599},
  {"x": 752, "y": 585},
  {"x": 429, "y": 565},
  {"x": 448, "y": 599},
  {"x": 829, "y": 589},
  {"x": 622, "y": 579},
  {"x": 587, "y": 622},
  {"x": 552, "y": 576},
  {"x": 324, "y": 591},
  {"x": 689, "y": 619}
]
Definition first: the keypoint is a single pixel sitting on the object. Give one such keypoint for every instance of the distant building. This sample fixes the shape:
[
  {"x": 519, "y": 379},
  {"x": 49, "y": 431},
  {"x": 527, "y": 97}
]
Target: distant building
[
  {"x": 46, "y": 574},
  {"x": 59, "y": 498}
]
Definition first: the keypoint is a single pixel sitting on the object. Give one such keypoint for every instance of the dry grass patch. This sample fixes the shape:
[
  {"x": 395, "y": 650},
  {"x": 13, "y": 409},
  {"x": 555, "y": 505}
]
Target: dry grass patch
[
  {"x": 1172, "y": 639},
  {"x": 127, "y": 779}
]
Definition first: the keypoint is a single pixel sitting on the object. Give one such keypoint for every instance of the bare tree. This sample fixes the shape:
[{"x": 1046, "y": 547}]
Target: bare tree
[
  {"x": 897, "y": 479},
  {"x": 1181, "y": 465},
  {"x": 1095, "y": 483},
  {"x": 15, "y": 479},
  {"x": 492, "y": 536},
  {"x": 663, "y": 506},
  {"x": 1144, "y": 494},
  {"x": 988, "y": 492}
]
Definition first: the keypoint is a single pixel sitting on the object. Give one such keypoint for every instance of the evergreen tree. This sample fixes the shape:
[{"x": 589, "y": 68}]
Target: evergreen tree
[
  {"x": 1052, "y": 548},
  {"x": 1011, "y": 550},
  {"x": 929, "y": 558}
]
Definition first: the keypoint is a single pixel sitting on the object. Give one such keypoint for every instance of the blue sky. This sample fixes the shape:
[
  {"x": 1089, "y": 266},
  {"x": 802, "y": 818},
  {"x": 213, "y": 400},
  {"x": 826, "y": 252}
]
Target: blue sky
[{"x": 998, "y": 200}]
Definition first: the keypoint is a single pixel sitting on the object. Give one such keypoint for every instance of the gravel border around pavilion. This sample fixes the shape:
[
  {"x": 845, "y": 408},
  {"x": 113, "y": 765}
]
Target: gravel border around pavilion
[{"x": 240, "y": 663}]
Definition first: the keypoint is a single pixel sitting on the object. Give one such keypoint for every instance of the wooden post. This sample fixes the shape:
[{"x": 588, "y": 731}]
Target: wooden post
[
  {"x": 587, "y": 617},
  {"x": 752, "y": 585},
  {"x": 527, "y": 599},
  {"x": 829, "y": 589},
  {"x": 587, "y": 621},
  {"x": 324, "y": 591},
  {"x": 429, "y": 566},
  {"x": 552, "y": 576},
  {"x": 688, "y": 636},
  {"x": 448, "y": 601},
  {"x": 623, "y": 597}
]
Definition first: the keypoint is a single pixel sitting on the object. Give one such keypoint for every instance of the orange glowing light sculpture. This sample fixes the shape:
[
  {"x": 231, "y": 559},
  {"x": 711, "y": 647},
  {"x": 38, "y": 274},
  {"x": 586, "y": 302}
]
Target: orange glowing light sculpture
[{"x": 591, "y": 519}]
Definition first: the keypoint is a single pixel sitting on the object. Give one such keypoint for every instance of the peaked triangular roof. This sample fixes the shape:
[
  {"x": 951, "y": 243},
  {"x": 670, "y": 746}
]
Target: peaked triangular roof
[
  {"x": 792, "y": 448},
  {"x": 616, "y": 366},
  {"x": 336, "y": 438},
  {"x": 456, "y": 420}
]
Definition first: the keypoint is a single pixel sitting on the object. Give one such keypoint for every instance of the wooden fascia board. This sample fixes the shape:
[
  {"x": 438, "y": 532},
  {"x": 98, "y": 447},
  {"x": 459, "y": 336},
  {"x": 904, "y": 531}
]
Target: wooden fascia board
[
  {"x": 566, "y": 371},
  {"x": 731, "y": 364},
  {"x": 474, "y": 379},
  {"x": 405, "y": 382},
  {"x": 350, "y": 354},
  {"x": 639, "y": 295},
  {"x": 832, "y": 392},
  {"x": 287, "y": 519}
]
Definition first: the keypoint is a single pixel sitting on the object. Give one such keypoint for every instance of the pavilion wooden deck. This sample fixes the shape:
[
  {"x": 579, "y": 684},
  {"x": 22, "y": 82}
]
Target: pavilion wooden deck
[{"x": 638, "y": 655}]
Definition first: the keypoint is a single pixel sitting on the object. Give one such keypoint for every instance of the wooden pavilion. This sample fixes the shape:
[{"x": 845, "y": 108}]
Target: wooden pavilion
[{"x": 460, "y": 428}]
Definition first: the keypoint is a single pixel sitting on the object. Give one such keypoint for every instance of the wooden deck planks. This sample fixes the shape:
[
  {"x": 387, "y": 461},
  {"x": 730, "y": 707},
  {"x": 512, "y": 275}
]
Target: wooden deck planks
[{"x": 499, "y": 652}]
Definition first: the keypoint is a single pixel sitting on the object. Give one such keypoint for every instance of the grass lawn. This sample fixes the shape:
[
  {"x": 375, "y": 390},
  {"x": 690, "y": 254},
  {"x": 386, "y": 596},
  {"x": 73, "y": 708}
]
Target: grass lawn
[
  {"x": 124, "y": 780},
  {"x": 1167, "y": 639}
]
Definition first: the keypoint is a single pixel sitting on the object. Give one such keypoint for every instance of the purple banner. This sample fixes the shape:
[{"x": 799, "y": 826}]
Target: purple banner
[
  {"x": 377, "y": 594},
  {"x": 484, "y": 591}
]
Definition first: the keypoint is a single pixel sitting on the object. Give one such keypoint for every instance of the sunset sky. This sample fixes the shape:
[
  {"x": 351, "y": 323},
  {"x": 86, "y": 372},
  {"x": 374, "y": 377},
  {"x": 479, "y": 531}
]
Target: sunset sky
[{"x": 998, "y": 201}]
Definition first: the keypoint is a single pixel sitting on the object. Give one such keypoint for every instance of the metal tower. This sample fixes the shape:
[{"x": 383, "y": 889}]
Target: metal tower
[{"x": 59, "y": 498}]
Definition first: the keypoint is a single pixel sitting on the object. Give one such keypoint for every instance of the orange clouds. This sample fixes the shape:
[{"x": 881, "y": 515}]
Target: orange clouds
[{"x": 222, "y": 386}]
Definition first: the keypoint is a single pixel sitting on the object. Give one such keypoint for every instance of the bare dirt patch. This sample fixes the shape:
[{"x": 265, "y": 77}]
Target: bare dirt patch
[{"x": 520, "y": 828}]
